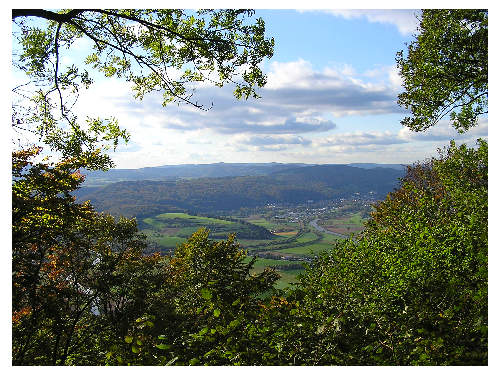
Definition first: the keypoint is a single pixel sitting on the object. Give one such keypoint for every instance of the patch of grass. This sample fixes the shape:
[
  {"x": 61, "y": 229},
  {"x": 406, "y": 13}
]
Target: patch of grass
[
  {"x": 345, "y": 230},
  {"x": 168, "y": 228},
  {"x": 329, "y": 238},
  {"x": 287, "y": 276},
  {"x": 263, "y": 223},
  {"x": 196, "y": 220},
  {"x": 347, "y": 224},
  {"x": 172, "y": 215},
  {"x": 244, "y": 242},
  {"x": 353, "y": 220},
  {"x": 186, "y": 231},
  {"x": 307, "y": 249},
  {"x": 307, "y": 237},
  {"x": 153, "y": 222},
  {"x": 170, "y": 242},
  {"x": 264, "y": 262},
  {"x": 286, "y": 234}
]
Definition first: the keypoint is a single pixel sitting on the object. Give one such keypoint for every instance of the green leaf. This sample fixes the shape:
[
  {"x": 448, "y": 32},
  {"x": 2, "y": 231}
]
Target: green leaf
[
  {"x": 171, "y": 362},
  {"x": 194, "y": 361},
  {"x": 163, "y": 346},
  {"x": 216, "y": 313},
  {"x": 206, "y": 294},
  {"x": 128, "y": 339}
]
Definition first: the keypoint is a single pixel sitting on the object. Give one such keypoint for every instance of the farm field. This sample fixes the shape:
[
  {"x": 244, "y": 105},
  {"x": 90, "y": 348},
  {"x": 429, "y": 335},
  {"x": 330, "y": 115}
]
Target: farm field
[
  {"x": 263, "y": 223},
  {"x": 347, "y": 224},
  {"x": 280, "y": 244},
  {"x": 288, "y": 276},
  {"x": 170, "y": 229}
]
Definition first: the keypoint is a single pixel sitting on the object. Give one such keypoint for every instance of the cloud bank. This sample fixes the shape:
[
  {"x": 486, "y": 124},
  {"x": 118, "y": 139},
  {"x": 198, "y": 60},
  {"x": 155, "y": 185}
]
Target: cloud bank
[
  {"x": 404, "y": 19},
  {"x": 301, "y": 117},
  {"x": 296, "y": 100}
]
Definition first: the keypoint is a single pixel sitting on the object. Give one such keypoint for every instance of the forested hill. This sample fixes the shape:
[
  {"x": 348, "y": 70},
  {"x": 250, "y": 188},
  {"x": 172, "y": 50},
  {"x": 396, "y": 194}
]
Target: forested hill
[
  {"x": 172, "y": 172},
  {"x": 166, "y": 172},
  {"x": 206, "y": 195}
]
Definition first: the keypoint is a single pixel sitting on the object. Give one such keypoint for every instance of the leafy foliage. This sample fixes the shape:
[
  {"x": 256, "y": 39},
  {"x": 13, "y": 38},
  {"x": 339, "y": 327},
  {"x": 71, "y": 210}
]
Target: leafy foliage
[
  {"x": 83, "y": 292},
  {"x": 446, "y": 69},
  {"x": 66, "y": 262},
  {"x": 413, "y": 289},
  {"x": 166, "y": 50},
  {"x": 212, "y": 297}
]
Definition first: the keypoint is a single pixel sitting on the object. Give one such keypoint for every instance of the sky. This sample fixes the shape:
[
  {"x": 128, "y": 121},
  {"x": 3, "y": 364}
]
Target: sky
[{"x": 331, "y": 97}]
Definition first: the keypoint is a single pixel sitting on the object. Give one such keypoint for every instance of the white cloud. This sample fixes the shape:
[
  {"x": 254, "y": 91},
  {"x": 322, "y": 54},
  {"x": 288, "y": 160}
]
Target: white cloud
[
  {"x": 295, "y": 85},
  {"x": 360, "y": 139},
  {"x": 404, "y": 19},
  {"x": 300, "y": 75},
  {"x": 394, "y": 78},
  {"x": 443, "y": 131},
  {"x": 271, "y": 140},
  {"x": 297, "y": 100},
  {"x": 295, "y": 120}
]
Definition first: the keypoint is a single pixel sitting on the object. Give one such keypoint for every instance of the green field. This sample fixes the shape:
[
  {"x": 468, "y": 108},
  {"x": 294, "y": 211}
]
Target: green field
[
  {"x": 170, "y": 229},
  {"x": 201, "y": 220},
  {"x": 271, "y": 225},
  {"x": 247, "y": 243},
  {"x": 345, "y": 224},
  {"x": 354, "y": 219},
  {"x": 296, "y": 244},
  {"x": 262, "y": 263},
  {"x": 287, "y": 276},
  {"x": 329, "y": 238},
  {"x": 307, "y": 237},
  {"x": 170, "y": 242},
  {"x": 305, "y": 244},
  {"x": 263, "y": 223}
]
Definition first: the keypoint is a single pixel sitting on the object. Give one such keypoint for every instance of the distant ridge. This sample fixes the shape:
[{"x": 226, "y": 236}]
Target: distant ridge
[
  {"x": 293, "y": 185},
  {"x": 399, "y": 167},
  {"x": 174, "y": 172}
]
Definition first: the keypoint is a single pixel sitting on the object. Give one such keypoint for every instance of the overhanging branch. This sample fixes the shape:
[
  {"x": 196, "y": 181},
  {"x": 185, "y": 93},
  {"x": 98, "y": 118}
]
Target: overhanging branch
[{"x": 47, "y": 14}]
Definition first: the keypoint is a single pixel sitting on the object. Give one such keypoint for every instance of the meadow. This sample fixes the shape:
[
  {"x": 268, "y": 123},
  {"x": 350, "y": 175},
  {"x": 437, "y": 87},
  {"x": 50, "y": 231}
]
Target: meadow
[{"x": 283, "y": 245}]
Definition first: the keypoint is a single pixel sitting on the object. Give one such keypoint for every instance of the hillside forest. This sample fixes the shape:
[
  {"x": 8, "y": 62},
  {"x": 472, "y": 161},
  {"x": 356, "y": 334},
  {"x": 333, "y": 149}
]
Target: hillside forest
[{"x": 410, "y": 288}]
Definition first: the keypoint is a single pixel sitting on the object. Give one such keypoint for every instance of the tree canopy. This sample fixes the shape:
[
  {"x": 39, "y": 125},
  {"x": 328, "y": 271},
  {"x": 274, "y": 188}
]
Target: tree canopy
[
  {"x": 412, "y": 289},
  {"x": 445, "y": 70},
  {"x": 165, "y": 50},
  {"x": 82, "y": 287}
]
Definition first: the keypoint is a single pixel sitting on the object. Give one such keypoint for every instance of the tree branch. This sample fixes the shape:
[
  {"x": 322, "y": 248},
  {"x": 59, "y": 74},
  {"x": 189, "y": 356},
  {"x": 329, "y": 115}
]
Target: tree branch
[{"x": 48, "y": 15}]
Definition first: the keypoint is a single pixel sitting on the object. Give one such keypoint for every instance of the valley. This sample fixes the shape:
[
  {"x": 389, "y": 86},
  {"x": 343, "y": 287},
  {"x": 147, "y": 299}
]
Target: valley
[
  {"x": 282, "y": 214},
  {"x": 283, "y": 237}
]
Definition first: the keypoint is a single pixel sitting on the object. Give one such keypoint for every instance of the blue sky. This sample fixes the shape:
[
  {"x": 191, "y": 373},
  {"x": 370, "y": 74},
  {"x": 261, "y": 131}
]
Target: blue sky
[{"x": 331, "y": 97}]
